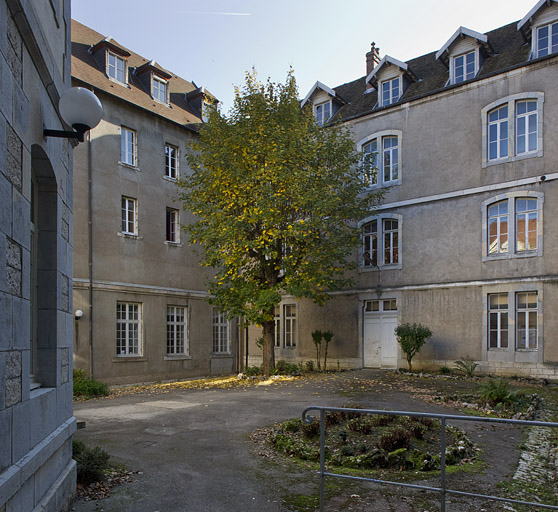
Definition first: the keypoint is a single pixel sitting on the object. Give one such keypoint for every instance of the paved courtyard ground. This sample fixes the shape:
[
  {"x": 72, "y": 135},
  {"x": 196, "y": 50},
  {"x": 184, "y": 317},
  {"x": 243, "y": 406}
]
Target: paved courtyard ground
[{"x": 192, "y": 451}]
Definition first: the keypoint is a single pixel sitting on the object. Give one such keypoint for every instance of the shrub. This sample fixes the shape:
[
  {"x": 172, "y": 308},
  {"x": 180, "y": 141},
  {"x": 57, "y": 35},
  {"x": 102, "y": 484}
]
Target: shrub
[
  {"x": 363, "y": 425},
  {"x": 466, "y": 366},
  {"x": 284, "y": 368},
  {"x": 395, "y": 438},
  {"x": 309, "y": 366},
  {"x": 311, "y": 429},
  {"x": 252, "y": 371},
  {"x": 327, "y": 336},
  {"x": 92, "y": 463},
  {"x": 444, "y": 370},
  {"x": 383, "y": 420},
  {"x": 496, "y": 391},
  {"x": 87, "y": 388},
  {"x": 412, "y": 338},
  {"x": 317, "y": 339}
]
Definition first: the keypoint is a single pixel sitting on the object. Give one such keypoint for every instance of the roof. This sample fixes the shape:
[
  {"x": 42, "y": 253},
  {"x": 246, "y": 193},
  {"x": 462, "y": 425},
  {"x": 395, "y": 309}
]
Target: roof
[
  {"x": 509, "y": 50},
  {"x": 528, "y": 17},
  {"x": 461, "y": 31},
  {"x": 86, "y": 70},
  {"x": 315, "y": 87}
]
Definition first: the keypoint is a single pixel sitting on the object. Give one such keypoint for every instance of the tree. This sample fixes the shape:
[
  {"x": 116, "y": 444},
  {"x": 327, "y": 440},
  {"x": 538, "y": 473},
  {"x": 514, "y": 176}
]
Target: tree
[
  {"x": 412, "y": 338},
  {"x": 276, "y": 199}
]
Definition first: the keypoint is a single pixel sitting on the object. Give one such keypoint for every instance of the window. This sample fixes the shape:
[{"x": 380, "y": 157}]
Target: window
[
  {"x": 129, "y": 216},
  {"x": 277, "y": 319},
  {"x": 498, "y": 133},
  {"x": 390, "y": 91},
  {"x": 159, "y": 89},
  {"x": 177, "y": 343},
  {"x": 171, "y": 162},
  {"x": 128, "y": 146},
  {"x": 370, "y": 162},
  {"x": 128, "y": 329},
  {"x": 323, "y": 113},
  {"x": 526, "y": 127},
  {"x": 527, "y": 312},
  {"x": 116, "y": 68},
  {"x": 390, "y": 159},
  {"x": 547, "y": 40},
  {"x": 513, "y": 225},
  {"x": 381, "y": 244},
  {"x": 512, "y": 128},
  {"x": 464, "y": 67},
  {"x": 173, "y": 231},
  {"x": 221, "y": 343},
  {"x": 498, "y": 320},
  {"x": 289, "y": 324},
  {"x": 381, "y": 158},
  {"x": 377, "y": 306}
]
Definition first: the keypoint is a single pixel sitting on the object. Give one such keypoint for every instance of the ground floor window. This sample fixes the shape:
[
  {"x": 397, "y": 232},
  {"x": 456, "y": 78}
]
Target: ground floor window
[
  {"x": 177, "y": 342},
  {"x": 128, "y": 329},
  {"x": 221, "y": 332},
  {"x": 498, "y": 320},
  {"x": 526, "y": 314},
  {"x": 289, "y": 325}
]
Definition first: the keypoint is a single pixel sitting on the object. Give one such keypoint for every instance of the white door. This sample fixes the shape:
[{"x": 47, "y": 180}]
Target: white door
[{"x": 380, "y": 343}]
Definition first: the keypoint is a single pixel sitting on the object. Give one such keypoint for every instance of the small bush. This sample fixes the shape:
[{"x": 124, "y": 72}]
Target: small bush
[
  {"x": 395, "y": 438},
  {"x": 92, "y": 463},
  {"x": 252, "y": 371},
  {"x": 444, "y": 370},
  {"x": 496, "y": 391},
  {"x": 311, "y": 429},
  {"x": 292, "y": 425},
  {"x": 412, "y": 337},
  {"x": 383, "y": 420},
  {"x": 363, "y": 425},
  {"x": 466, "y": 366},
  {"x": 87, "y": 388},
  {"x": 284, "y": 368}
]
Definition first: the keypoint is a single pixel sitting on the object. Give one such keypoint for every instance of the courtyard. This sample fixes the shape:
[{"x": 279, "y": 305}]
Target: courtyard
[{"x": 195, "y": 449}]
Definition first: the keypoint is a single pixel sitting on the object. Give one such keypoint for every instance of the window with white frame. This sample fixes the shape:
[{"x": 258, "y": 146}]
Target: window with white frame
[
  {"x": 512, "y": 128},
  {"x": 177, "y": 341},
  {"x": 173, "y": 225},
  {"x": 464, "y": 67},
  {"x": 128, "y": 329},
  {"x": 128, "y": 146},
  {"x": 381, "y": 242},
  {"x": 221, "y": 336},
  {"x": 547, "y": 40},
  {"x": 379, "y": 306},
  {"x": 381, "y": 162},
  {"x": 390, "y": 91},
  {"x": 129, "y": 216},
  {"x": 498, "y": 315},
  {"x": 513, "y": 225},
  {"x": 171, "y": 161},
  {"x": 526, "y": 320},
  {"x": 323, "y": 113},
  {"x": 116, "y": 68},
  {"x": 289, "y": 325},
  {"x": 159, "y": 89}
]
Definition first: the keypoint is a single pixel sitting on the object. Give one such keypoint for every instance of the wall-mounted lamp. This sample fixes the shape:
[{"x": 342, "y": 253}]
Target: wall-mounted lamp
[
  {"x": 78, "y": 314},
  {"x": 81, "y": 109}
]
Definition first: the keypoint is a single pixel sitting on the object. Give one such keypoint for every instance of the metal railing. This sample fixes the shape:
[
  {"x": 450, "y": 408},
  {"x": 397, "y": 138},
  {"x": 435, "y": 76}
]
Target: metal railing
[{"x": 443, "y": 490}]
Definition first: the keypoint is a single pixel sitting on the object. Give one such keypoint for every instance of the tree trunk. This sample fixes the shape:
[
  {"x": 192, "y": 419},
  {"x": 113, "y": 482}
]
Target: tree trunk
[{"x": 268, "y": 348}]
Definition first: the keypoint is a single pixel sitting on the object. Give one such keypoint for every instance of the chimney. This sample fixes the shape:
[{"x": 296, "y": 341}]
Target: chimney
[{"x": 372, "y": 60}]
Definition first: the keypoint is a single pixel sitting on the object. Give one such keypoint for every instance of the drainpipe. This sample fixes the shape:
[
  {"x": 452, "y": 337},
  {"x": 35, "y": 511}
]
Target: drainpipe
[{"x": 90, "y": 234}]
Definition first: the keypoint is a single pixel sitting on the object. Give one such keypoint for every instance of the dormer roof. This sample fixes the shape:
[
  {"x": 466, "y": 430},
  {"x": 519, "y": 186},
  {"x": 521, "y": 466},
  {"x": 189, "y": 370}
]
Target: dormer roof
[
  {"x": 319, "y": 86},
  {"x": 372, "y": 78},
  {"x": 525, "y": 23},
  {"x": 461, "y": 33},
  {"x": 154, "y": 68},
  {"x": 112, "y": 45}
]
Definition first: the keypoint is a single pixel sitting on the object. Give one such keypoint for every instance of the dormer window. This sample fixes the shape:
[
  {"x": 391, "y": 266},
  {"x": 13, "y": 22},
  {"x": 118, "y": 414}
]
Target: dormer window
[
  {"x": 464, "y": 67},
  {"x": 323, "y": 113},
  {"x": 159, "y": 89},
  {"x": 391, "y": 91},
  {"x": 547, "y": 40},
  {"x": 116, "y": 68}
]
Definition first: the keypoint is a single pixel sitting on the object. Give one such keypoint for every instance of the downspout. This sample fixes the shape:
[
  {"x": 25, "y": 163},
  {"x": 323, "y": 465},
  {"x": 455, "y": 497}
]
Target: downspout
[{"x": 90, "y": 235}]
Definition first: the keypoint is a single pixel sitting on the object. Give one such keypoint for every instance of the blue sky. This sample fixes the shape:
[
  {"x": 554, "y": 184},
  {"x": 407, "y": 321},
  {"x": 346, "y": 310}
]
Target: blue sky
[{"x": 214, "y": 42}]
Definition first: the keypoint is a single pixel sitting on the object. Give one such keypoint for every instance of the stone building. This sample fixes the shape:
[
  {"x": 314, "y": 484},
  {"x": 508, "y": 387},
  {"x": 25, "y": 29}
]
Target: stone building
[
  {"x": 36, "y": 422},
  {"x": 465, "y": 143},
  {"x": 137, "y": 280}
]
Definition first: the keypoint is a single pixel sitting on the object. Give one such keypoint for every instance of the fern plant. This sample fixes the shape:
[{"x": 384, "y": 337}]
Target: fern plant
[{"x": 466, "y": 366}]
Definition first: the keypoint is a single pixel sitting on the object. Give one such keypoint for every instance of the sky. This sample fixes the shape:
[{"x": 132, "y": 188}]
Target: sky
[{"x": 215, "y": 42}]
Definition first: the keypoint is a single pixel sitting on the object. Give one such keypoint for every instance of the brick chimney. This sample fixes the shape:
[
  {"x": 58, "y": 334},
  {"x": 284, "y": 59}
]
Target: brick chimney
[{"x": 372, "y": 60}]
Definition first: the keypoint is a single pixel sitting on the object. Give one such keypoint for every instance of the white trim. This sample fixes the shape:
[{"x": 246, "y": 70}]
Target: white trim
[
  {"x": 468, "y": 192},
  {"x": 386, "y": 60},
  {"x": 112, "y": 286},
  {"x": 465, "y": 32},
  {"x": 531, "y": 13},
  {"x": 318, "y": 85}
]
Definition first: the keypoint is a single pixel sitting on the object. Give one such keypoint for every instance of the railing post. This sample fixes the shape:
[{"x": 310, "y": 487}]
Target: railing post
[
  {"x": 322, "y": 459},
  {"x": 443, "y": 467}
]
